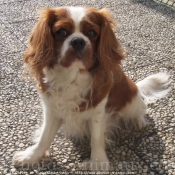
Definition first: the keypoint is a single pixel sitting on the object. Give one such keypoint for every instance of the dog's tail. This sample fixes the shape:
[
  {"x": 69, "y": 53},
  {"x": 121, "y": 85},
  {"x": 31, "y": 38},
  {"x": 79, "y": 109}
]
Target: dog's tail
[{"x": 154, "y": 87}]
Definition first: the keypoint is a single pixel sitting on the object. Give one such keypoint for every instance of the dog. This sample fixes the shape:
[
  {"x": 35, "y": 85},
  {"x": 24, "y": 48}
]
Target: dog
[{"x": 75, "y": 58}]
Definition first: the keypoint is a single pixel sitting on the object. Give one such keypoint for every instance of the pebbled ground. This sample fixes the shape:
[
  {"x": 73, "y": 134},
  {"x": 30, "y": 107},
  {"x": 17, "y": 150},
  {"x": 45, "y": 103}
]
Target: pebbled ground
[{"x": 146, "y": 29}]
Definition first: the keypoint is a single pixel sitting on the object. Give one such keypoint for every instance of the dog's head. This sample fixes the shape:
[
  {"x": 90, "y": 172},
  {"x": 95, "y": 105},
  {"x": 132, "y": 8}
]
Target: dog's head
[{"x": 69, "y": 34}]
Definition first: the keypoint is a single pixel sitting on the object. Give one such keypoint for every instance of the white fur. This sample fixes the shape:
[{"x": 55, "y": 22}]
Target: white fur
[
  {"x": 154, "y": 87},
  {"x": 151, "y": 88},
  {"x": 77, "y": 14},
  {"x": 133, "y": 114},
  {"x": 97, "y": 129},
  {"x": 67, "y": 87},
  {"x": 60, "y": 104}
]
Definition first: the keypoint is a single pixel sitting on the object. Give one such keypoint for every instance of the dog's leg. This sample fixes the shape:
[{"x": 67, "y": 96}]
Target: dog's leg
[
  {"x": 33, "y": 154},
  {"x": 99, "y": 160},
  {"x": 98, "y": 155}
]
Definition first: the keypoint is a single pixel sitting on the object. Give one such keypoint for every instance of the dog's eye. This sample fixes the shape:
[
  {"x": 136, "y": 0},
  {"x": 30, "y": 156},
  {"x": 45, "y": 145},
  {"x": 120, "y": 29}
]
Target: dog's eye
[
  {"x": 62, "y": 33},
  {"x": 91, "y": 34}
]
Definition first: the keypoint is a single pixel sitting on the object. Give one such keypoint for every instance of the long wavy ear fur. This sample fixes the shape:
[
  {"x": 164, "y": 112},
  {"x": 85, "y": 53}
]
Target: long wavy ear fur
[
  {"x": 110, "y": 51},
  {"x": 40, "y": 51}
]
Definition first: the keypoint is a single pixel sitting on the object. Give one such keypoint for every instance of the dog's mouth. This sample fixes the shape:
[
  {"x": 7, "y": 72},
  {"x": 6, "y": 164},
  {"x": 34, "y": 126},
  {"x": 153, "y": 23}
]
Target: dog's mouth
[{"x": 77, "y": 64}]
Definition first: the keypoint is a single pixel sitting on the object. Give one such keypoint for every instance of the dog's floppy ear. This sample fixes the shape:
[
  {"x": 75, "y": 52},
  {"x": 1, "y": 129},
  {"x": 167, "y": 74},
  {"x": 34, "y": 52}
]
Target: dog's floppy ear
[
  {"x": 40, "y": 51},
  {"x": 109, "y": 50}
]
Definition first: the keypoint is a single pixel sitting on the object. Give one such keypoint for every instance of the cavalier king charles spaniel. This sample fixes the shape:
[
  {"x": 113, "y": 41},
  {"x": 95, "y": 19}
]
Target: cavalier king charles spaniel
[{"x": 76, "y": 59}]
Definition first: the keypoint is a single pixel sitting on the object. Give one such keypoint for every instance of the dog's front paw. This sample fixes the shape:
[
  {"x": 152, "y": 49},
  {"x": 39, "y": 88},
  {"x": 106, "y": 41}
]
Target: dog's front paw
[
  {"x": 96, "y": 165},
  {"x": 28, "y": 157}
]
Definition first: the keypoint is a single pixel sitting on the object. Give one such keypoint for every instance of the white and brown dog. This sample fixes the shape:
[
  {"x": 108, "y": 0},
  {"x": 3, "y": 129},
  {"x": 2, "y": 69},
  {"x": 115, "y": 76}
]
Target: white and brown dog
[{"x": 75, "y": 58}]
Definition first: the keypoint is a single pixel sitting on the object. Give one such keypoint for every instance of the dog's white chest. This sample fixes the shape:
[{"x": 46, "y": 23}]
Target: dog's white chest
[{"x": 67, "y": 87}]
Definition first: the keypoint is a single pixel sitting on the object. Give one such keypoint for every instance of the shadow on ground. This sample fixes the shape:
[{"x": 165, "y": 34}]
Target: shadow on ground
[
  {"x": 145, "y": 146},
  {"x": 159, "y": 7}
]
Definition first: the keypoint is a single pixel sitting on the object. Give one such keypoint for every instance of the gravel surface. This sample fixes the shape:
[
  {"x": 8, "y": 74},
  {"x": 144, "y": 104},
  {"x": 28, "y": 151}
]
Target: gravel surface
[{"x": 146, "y": 29}]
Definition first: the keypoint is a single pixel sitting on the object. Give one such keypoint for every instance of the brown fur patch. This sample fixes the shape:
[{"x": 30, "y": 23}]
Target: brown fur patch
[
  {"x": 122, "y": 91},
  {"x": 108, "y": 77},
  {"x": 43, "y": 50}
]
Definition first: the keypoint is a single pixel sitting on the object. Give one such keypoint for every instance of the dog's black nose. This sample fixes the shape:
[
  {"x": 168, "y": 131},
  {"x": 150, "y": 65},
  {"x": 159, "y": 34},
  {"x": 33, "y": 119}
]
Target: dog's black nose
[{"x": 78, "y": 43}]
